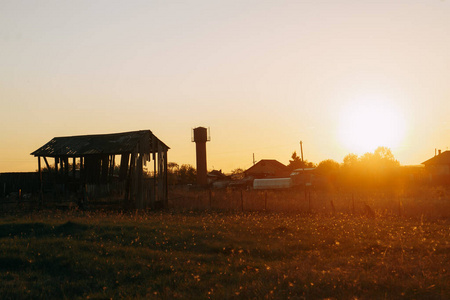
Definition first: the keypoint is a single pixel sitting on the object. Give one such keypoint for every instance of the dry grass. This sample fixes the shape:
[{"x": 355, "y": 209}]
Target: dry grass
[{"x": 73, "y": 254}]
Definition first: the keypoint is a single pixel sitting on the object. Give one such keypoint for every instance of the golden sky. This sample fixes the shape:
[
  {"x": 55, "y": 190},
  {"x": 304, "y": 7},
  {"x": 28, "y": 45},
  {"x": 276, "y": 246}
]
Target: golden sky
[{"x": 342, "y": 76}]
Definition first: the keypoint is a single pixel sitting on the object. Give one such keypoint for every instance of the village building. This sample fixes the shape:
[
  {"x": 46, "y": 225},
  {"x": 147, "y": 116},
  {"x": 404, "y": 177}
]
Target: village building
[
  {"x": 267, "y": 168},
  {"x": 438, "y": 167},
  {"x": 86, "y": 166}
]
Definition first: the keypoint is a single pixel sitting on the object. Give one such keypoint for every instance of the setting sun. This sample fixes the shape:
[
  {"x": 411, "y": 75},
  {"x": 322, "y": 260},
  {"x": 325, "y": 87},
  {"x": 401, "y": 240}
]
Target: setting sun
[{"x": 368, "y": 124}]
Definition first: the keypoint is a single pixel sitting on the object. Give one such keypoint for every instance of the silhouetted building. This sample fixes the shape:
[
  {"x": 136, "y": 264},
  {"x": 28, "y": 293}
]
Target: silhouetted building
[
  {"x": 216, "y": 175},
  {"x": 438, "y": 167},
  {"x": 267, "y": 168},
  {"x": 86, "y": 165}
]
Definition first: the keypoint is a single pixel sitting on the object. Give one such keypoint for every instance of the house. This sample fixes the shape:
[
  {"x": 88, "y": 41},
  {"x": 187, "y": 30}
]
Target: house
[
  {"x": 216, "y": 175},
  {"x": 438, "y": 167},
  {"x": 217, "y": 179},
  {"x": 86, "y": 164},
  {"x": 267, "y": 168}
]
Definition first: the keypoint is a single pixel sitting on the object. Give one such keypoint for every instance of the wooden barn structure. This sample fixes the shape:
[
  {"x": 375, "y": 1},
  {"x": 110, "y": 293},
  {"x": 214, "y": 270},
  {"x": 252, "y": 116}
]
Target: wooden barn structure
[{"x": 86, "y": 166}]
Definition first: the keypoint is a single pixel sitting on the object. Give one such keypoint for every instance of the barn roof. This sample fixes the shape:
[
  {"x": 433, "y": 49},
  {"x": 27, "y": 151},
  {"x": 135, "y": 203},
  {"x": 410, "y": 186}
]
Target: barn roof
[
  {"x": 110, "y": 144},
  {"x": 441, "y": 159}
]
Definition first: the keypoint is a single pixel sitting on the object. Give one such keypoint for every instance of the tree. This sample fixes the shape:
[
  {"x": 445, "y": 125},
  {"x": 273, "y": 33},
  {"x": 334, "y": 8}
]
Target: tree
[
  {"x": 172, "y": 173},
  {"x": 385, "y": 155},
  {"x": 327, "y": 172},
  {"x": 187, "y": 174},
  {"x": 327, "y": 167},
  {"x": 350, "y": 160},
  {"x": 297, "y": 163},
  {"x": 377, "y": 169},
  {"x": 183, "y": 174},
  {"x": 237, "y": 173}
]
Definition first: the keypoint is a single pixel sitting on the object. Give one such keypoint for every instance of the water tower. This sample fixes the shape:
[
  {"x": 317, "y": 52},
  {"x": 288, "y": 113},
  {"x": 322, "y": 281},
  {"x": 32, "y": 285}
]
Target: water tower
[{"x": 200, "y": 136}]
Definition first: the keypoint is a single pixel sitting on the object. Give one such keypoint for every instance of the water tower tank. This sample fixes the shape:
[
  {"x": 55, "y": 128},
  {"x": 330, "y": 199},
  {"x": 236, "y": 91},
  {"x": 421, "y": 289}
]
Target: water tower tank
[{"x": 200, "y": 136}]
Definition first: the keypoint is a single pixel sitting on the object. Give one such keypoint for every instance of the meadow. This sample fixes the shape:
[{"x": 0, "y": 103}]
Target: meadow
[{"x": 201, "y": 254}]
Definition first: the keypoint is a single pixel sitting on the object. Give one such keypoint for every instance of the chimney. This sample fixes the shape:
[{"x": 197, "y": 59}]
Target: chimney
[{"x": 439, "y": 152}]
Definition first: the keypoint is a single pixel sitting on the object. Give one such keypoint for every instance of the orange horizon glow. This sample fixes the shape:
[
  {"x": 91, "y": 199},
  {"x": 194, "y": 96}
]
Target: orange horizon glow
[
  {"x": 367, "y": 124},
  {"x": 343, "y": 77}
]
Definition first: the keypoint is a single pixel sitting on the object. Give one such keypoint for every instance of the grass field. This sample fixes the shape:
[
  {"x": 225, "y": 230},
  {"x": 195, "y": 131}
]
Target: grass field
[{"x": 72, "y": 254}]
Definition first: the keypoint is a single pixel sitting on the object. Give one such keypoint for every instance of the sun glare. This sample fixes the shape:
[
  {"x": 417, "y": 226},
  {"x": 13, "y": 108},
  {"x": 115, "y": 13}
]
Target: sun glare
[{"x": 366, "y": 125}]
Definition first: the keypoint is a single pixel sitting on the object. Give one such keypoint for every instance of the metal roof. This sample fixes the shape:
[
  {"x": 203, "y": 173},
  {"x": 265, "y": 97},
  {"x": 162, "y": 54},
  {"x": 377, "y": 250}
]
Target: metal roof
[{"x": 110, "y": 144}]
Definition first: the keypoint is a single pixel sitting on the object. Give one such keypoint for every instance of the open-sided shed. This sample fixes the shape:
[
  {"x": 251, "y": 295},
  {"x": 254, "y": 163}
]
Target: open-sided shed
[{"x": 86, "y": 164}]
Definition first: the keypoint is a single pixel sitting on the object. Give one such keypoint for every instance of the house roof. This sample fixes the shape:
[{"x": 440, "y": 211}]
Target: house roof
[
  {"x": 110, "y": 144},
  {"x": 441, "y": 159},
  {"x": 272, "y": 162}
]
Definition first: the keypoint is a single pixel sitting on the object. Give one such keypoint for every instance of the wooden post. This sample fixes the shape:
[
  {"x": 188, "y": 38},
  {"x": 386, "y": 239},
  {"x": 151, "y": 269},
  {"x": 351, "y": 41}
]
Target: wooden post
[
  {"x": 166, "y": 181},
  {"x": 46, "y": 163},
  {"x": 104, "y": 169},
  {"x": 128, "y": 189},
  {"x": 140, "y": 188},
  {"x": 155, "y": 194},
  {"x": 56, "y": 166},
  {"x": 124, "y": 160},
  {"x": 82, "y": 177},
  {"x": 111, "y": 166},
  {"x": 74, "y": 162},
  {"x": 41, "y": 192},
  {"x": 66, "y": 167},
  {"x": 161, "y": 189}
]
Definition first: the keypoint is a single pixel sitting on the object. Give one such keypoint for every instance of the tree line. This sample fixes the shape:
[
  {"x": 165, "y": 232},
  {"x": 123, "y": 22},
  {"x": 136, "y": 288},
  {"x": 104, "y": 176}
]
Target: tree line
[{"x": 371, "y": 170}]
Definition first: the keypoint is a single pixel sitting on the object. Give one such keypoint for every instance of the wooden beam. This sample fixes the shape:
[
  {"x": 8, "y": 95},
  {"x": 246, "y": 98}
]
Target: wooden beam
[{"x": 46, "y": 162}]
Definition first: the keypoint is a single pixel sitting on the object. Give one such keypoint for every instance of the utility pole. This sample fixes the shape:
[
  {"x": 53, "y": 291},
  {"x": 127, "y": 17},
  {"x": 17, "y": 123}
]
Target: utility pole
[{"x": 301, "y": 149}]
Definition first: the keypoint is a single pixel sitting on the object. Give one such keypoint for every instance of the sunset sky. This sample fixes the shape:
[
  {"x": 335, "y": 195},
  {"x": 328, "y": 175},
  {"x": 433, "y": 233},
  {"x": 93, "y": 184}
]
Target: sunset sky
[{"x": 342, "y": 76}]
